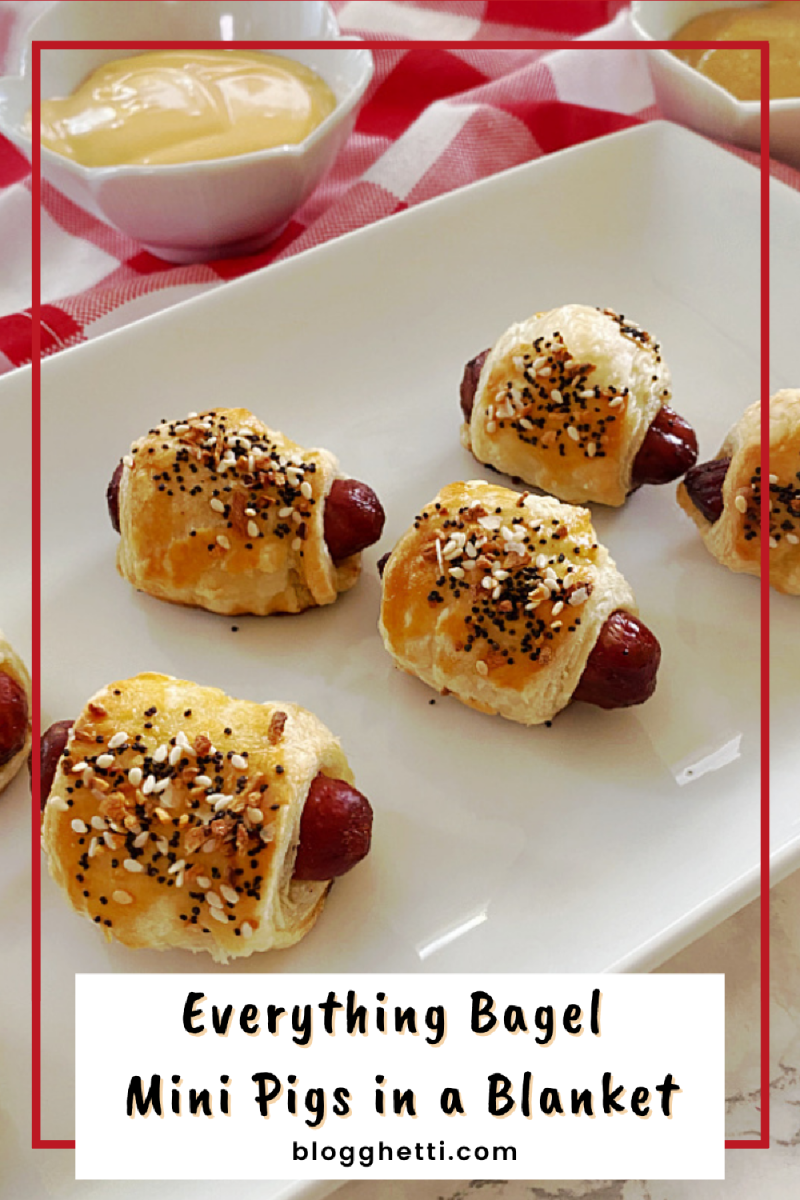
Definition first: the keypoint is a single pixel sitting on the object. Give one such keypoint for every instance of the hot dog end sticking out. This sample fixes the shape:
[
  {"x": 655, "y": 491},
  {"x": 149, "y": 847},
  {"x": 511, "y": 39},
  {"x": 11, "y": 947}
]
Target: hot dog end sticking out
[{"x": 13, "y": 717}]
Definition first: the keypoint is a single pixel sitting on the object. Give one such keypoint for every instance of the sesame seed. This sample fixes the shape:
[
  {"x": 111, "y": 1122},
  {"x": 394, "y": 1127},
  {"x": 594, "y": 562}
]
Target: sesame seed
[
  {"x": 238, "y": 762},
  {"x": 128, "y": 460},
  {"x": 105, "y": 760},
  {"x": 773, "y": 543},
  {"x": 110, "y": 840},
  {"x": 131, "y": 864},
  {"x": 572, "y": 432},
  {"x": 247, "y": 930},
  {"x": 254, "y": 815},
  {"x": 481, "y": 667},
  {"x": 58, "y": 803},
  {"x": 79, "y": 826},
  {"x": 557, "y": 607},
  {"x": 202, "y": 781},
  {"x": 141, "y": 841},
  {"x": 98, "y": 822},
  {"x": 228, "y": 893},
  {"x": 135, "y": 776},
  {"x": 218, "y": 915},
  {"x": 120, "y": 897},
  {"x": 223, "y": 541},
  {"x": 792, "y": 539},
  {"x": 297, "y": 543},
  {"x": 252, "y": 529},
  {"x": 285, "y": 512},
  {"x": 162, "y": 786},
  {"x": 161, "y": 753},
  {"x": 148, "y": 784},
  {"x": 741, "y": 503},
  {"x": 214, "y": 900},
  {"x": 119, "y": 739}
]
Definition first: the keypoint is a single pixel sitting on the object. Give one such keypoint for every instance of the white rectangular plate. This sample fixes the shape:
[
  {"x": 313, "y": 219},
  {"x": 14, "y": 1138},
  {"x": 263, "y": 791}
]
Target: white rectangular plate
[{"x": 607, "y": 841}]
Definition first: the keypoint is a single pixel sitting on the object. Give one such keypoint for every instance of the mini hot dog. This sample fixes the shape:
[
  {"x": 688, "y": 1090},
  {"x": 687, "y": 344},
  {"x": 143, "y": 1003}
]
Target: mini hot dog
[
  {"x": 177, "y": 816},
  {"x": 15, "y": 724},
  {"x": 335, "y": 828},
  {"x": 509, "y": 602},
  {"x": 575, "y": 401},
  {"x": 724, "y": 496},
  {"x": 220, "y": 512},
  {"x": 52, "y": 745},
  {"x": 704, "y": 487}
]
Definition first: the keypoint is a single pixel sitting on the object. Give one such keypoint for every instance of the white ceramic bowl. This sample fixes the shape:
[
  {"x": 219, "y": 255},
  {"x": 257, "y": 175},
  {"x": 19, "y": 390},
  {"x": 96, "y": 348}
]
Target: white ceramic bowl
[
  {"x": 194, "y": 211},
  {"x": 687, "y": 96}
]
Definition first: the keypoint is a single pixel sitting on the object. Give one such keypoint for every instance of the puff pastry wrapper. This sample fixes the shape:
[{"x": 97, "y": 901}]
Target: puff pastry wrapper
[
  {"x": 218, "y": 853},
  {"x": 564, "y": 402},
  {"x": 12, "y": 665},
  {"x": 735, "y": 539},
  {"x": 220, "y": 512},
  {"x": 512, "y": 633}
]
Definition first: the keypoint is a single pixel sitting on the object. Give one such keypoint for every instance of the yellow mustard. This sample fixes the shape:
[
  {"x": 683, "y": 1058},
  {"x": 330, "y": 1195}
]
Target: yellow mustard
[
  {"x": 176, "y": 106},
  {"x": 739, "y": 71}
]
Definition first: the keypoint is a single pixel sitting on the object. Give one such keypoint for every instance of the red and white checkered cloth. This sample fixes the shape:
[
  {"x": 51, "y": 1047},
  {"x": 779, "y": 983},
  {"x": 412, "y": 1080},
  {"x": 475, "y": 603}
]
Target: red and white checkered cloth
[{"x": 434, "y": 119}]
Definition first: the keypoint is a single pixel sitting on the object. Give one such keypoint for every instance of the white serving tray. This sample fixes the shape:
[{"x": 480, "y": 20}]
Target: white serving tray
[{"x": 606, "y": 842}]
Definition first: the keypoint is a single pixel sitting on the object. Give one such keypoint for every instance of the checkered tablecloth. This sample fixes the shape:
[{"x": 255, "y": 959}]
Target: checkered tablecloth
[{"x": 434, "y": 119}]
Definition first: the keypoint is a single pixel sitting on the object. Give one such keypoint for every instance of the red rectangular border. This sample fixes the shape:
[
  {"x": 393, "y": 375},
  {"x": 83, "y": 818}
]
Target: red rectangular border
[{"x": 39, "y": 1143}]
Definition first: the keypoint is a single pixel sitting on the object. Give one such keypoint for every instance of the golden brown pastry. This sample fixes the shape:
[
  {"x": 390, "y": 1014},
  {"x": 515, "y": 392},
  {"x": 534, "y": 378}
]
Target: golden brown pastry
[
  {"x": 575, "y": 401},
  {"x": 220, "y": 512},
  {"x": 179, "y": 817},
  {"x": 15, "y": 707},
  {"x": 508, "y": 602},
  {"x": 723, "y": 496}
]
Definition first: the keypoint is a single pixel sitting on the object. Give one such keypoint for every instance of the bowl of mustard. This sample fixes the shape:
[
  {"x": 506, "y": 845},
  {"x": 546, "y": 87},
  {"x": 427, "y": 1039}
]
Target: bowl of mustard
[
  {"x": 716, "y": 90},
  {"x": 197, "y": 153}
]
